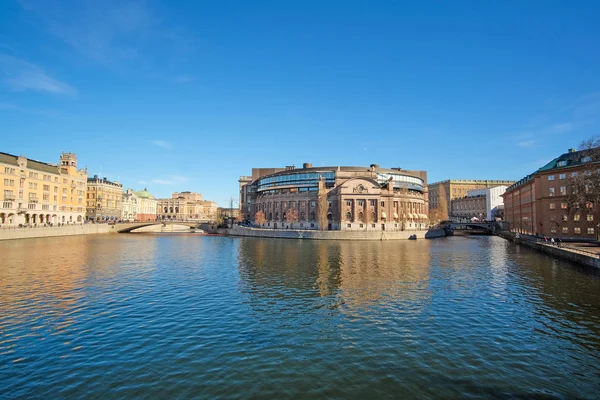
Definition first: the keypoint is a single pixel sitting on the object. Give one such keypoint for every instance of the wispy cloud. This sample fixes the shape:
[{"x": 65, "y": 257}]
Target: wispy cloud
[
  {"x": 142, "y": 182},
  {"x": 172, "y": 180},
  {"x": 162, "y": 143},
  {"x": 120, "y": 34},
  {"x": 527, "y": 143},
  {"x": 21, "y": 75}
]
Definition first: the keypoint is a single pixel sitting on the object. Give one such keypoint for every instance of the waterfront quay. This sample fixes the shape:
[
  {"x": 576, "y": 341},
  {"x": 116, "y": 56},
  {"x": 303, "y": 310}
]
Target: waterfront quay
[{"x": 224, "y": 317}]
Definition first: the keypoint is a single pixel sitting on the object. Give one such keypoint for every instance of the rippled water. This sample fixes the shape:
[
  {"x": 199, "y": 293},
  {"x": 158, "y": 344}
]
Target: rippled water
[{"x": 185, "y": 316}]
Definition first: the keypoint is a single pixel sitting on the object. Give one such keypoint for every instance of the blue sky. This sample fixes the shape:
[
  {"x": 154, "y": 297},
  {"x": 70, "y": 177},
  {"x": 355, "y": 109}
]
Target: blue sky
[{"x": 190, "y": 95}]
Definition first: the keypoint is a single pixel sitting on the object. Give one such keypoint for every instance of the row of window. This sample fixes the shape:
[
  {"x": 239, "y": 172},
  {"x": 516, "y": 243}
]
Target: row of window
[
  {"x": 552, "y": 191},
  {"x": 576, "y": 218},
  {"x": 576, "y": 230}
]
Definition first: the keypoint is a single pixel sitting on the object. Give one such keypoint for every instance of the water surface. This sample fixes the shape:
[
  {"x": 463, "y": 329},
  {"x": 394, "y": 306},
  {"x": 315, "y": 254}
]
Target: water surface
[{"x": 187, "y": 316}]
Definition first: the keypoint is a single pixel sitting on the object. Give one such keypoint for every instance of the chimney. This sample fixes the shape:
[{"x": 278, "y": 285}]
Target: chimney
[{"x": 307, "y": 165}]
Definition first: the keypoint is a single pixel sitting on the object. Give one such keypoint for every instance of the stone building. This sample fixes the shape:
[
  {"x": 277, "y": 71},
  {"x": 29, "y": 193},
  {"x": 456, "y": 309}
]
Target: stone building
[
  {"x": 130, "y": 206},
  {"x": 187, "y": 206},
  {"x": 357, "y": 198},
  {"x": 457, "y": 189},
  {"x": 37, "y": 193},
  {"x": 538, "y": 203},
  {"x": 479, "y": 203},
  {"x": 147, "y": 206},
  {"x": 104, "y": 199}
]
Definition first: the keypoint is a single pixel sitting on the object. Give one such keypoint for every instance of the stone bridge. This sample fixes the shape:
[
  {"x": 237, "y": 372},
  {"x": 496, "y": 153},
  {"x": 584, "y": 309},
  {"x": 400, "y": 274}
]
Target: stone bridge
[
  {"x": 466, "y": 226},
  {"x": 131, "y": 226}
]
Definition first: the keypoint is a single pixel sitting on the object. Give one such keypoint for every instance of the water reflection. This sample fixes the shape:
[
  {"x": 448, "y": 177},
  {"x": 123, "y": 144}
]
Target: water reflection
[{"x": 177, "y": 315}]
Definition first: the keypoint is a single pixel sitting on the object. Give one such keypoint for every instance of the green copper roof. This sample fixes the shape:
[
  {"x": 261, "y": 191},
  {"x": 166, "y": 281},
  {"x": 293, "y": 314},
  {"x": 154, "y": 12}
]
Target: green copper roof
[{"x": 145, "y": 194}]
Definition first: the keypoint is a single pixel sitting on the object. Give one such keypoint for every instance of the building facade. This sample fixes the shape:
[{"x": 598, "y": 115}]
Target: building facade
[
  {"x": 479, "y": 203},
  {"x": 538, "y": 204},
  {"x": 104, "y": 199},
  {"x": 130, "y": 206},
  {"x": 37, "y": 193},
  {"x": 357, "y": 198},
  {"x": 457, "y": 189},
  {"x": 147, "y": 206},
  {"x": 187, "y": 206}
]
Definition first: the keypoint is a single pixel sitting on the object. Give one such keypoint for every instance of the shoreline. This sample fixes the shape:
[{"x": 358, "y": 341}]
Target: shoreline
[
  {"x": 563, "y": 253},
  {"x": 334, "y": 235}
]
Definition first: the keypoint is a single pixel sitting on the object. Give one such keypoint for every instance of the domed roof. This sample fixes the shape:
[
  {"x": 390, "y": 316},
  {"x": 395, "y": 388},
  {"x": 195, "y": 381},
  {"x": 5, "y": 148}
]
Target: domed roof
[{"x": 145, "y": 194}]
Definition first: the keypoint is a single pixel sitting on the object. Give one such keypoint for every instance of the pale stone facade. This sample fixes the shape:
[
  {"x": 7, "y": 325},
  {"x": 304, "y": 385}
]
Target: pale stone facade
[
  {"x": 147, "y": 206},
  {"x": 358, "y": 198},
  {"x": 187, "y": 206},
  {"x": 479, "y": 203},
  {"x": 130, "y": 206},
  {"x": 104, "y": 199},
  {"x": 36, "y": 193},
  {"x": 458, "y": 188}
]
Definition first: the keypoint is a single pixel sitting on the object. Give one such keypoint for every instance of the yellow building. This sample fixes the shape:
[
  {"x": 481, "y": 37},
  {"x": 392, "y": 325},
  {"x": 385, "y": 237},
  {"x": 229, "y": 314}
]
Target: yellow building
[
  {"x": 458, "y": 188},
  {"x": 187, "y": 206},
  {"x": 104, "y": 199},
  {"x": 37, "y": 193}
]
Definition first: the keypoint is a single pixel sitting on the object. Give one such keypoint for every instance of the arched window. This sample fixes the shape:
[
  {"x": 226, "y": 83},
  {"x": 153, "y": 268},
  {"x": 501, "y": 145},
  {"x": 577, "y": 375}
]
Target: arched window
[
  {"x": 312, "y": 216},
  {"x": 361, "y": 217},
  {"x": 302, "y": 216},
  {"x": 373, "y": 217},
  {"x": 166, "y": 210},
  {"x": 176, "y": 210},
  {"x": 171, "y": 209},
  {"x": 329, "y": 216},
  {"x": 348, "y": 216},
  {"x": 276, "y": 216}
]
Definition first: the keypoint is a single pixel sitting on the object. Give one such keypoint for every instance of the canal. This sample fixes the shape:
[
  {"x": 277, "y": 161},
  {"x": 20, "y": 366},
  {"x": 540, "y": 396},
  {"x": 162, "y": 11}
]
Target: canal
[{"x": 166, "y": 316}]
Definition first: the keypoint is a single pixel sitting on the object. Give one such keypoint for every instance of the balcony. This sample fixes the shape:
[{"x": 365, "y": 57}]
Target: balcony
[
  {"x": 9, "y": 197},
  {"x": 33, "y": 199}
]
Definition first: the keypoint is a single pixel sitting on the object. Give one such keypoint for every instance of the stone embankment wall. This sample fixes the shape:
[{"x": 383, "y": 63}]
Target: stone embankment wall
[
  {"x": 334, "y": 235},
  {"x": 565, "y": 254},
  {"x": 69, "y": 230}
]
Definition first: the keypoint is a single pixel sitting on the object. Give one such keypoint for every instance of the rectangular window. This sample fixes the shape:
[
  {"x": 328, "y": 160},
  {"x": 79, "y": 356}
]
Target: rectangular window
[
  {"x": 349, "y": 225},
  {"x": 372, "y": 203},
  {"x": 550, "y": 177},
  {"x": 577, "y": 230},
  {"x": 382, "y": 204},
  {"x": 565, "y": 218},
  {"x": 563, "y": 206},
  {"x": 590, "y": 231},
  {"x": 565, "y": 229},
  {"x": 563, "y": 190},
  {"x": 590, "y": 217},
  {"x": 312, "y": 203},
  {"x": 551, "y": 191},
  {"x": 361, "y": 203},
  {"x": 562, "y": 176},
  {"x": 576, "y": 217},
  {"x": 552, "y": 206},
  {"x": 360, "y": 225},
  {"x": 373, "y": 225},
  {"x": 552, "y": 229},
  {"x": 348, "y": 203},
  {"x": 561, "y": 163},
  {"x": 574, "y": 174}
]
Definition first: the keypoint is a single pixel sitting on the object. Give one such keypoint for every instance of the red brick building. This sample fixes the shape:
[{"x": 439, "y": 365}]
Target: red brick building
[{"x": 537, "y": 204}]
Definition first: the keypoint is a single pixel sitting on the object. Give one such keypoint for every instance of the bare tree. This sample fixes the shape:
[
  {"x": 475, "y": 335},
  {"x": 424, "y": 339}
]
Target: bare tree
[
  {"x": 291, "y": 215},
  {"x": 322, "y": 205},
  {"x": 583, "y": 188},
  {"x": 259, "y": 218}
]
